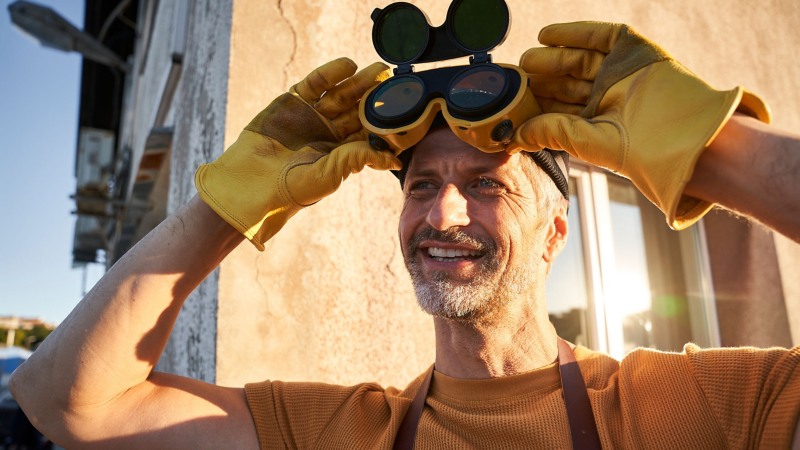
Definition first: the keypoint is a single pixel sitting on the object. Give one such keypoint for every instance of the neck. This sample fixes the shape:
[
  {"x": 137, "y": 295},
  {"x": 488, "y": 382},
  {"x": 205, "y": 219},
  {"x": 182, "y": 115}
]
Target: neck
[{"x": 518, "y": 339}]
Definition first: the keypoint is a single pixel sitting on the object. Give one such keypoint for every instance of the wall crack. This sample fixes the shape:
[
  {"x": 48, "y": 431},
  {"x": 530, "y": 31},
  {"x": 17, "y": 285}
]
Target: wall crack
[
  {"x": 260, "y": 283},
  {"x": 294, "y": 45}
]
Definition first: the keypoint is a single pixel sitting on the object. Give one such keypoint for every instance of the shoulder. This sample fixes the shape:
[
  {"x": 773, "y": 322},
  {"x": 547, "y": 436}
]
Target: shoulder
[
  {"x": 726, "y": 373},
  {"x": 741, "y": 358},
  {"x": 309, "y": 414},
  {"x": 718, "y": 394},
  {"x": 720, "y": 363},
  {"x": 599, "y": 370},
  {"x": 753, "y": 393},
  {"x": 731, "y": 382},
  {"x": 306, "y": 397},
  {"x": 644, "y": 363}
]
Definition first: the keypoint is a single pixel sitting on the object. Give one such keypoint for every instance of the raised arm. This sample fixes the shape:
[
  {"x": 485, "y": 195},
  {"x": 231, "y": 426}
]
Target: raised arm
[
  {"x": 617, "y": 100},
  {"x": 91, "y": 384},
  {"x": 753, "y": 169}
]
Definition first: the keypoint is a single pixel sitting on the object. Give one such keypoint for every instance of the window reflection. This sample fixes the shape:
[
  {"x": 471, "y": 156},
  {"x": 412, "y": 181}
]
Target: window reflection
[
  {"x": 566, "y": 290},
  {"x": 648, "y": 294}
]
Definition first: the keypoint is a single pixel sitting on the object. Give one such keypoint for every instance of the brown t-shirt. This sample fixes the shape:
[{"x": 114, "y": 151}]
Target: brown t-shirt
[{"x": 717, "y": 398}]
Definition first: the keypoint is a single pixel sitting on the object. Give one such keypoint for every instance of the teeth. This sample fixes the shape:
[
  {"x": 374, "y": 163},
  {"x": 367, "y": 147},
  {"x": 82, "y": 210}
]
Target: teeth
[{"x": 437, "y": 253}]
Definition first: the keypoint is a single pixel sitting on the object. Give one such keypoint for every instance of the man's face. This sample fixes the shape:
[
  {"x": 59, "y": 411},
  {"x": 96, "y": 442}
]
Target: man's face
[{"x": 472, "y": 234}]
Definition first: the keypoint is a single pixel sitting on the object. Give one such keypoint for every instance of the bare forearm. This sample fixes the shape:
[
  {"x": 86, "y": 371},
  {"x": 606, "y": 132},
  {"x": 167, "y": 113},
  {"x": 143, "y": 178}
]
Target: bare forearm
[
  {"x": 753, "y": 169},
  {"x": 113, "y": 338}
]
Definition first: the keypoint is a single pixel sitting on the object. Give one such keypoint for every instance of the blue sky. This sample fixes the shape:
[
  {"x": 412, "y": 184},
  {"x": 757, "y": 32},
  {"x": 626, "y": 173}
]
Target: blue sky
[{"x": 39, "y": 90}]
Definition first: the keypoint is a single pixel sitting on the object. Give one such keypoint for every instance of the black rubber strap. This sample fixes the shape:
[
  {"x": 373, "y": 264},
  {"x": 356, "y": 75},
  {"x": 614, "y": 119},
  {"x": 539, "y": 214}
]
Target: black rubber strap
[{"x": 582, "y": 426}]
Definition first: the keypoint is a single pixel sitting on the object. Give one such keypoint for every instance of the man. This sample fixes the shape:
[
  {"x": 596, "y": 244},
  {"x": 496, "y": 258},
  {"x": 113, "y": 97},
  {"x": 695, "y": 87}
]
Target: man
[{"x": 479, "y": 232}]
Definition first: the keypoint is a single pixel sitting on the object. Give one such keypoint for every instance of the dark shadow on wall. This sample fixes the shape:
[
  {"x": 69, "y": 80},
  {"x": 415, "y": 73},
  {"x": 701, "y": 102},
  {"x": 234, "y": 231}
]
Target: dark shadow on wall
[{"x": 747, "y": 282}]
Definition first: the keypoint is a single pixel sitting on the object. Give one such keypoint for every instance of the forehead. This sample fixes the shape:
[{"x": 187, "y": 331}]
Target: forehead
[{"x": 442, "y": 151}]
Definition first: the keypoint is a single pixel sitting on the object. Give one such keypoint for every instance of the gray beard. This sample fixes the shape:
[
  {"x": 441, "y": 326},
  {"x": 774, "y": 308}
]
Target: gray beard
[{"x": 479, "y": 298}]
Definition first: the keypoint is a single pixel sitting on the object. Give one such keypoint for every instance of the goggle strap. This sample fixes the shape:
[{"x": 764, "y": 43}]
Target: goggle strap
[{"x": 556, "y": 165}]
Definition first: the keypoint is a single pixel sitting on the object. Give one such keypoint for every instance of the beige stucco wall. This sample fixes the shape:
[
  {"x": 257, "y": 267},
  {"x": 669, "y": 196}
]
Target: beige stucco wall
[
  {"x": 789, "y": 262},
  {"x": 329, "y": 300}
]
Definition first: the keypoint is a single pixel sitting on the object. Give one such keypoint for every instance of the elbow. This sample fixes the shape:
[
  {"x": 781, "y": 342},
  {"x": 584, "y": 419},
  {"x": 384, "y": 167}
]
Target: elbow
[
  {"x": 29, "y": 393},
  {"x": 19, "y": 386},
  {"x": 37, "y": 402},
  {"x": 13, "y": 384},
  {"x": 16, "y": 385}
]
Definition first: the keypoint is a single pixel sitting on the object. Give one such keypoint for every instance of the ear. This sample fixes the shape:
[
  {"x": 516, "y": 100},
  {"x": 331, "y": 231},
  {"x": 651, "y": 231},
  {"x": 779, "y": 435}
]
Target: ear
[{"x": 556, "y": 234}]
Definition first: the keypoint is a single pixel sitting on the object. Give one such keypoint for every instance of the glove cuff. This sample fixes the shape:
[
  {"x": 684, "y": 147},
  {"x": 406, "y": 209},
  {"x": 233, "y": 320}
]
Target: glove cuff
[
  {"x": 204, "y": 191},
  {"x": 237, "y": 187},
  {"x": 754, "y": 106},
  {"x": 689, "y": 210}
]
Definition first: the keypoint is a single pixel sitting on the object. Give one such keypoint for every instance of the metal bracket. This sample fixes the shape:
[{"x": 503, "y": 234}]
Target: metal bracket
[
  {"x": 482, "y": 57},
  {"x": 403, "y": 69}
]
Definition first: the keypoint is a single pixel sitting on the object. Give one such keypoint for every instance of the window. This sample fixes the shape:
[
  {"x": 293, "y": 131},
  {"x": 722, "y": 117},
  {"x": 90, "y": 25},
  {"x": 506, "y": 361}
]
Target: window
[
  {"x": 568, "y": 298},
  {"x": 625, "y": 279}
]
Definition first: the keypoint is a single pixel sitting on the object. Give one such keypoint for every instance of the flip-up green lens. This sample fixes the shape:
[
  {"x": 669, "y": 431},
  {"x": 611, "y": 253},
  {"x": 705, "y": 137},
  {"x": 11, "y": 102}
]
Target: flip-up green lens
[
  {"x": 397, "y": 97},
  {"x": 477, "y": 88},
  {"x": 479, "y": 24},
  {"x": 402, "y": 33}
]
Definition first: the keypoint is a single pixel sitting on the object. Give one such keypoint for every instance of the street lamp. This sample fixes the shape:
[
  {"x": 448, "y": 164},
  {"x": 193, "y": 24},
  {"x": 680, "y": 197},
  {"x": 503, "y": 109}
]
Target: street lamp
[{"x": 49, "y": 29}]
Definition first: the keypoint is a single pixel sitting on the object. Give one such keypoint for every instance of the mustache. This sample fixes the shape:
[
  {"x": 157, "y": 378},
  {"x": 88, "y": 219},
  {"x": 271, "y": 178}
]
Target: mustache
[{"x": 450, "y": 236}]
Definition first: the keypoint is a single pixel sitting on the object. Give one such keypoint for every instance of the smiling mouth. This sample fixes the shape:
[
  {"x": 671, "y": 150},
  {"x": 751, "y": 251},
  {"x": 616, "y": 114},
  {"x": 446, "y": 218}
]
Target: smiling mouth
[{"x": 453, "y": 254}]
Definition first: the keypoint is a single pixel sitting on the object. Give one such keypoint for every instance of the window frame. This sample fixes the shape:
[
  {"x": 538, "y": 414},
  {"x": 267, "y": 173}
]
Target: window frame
[{"x": 604, "y": 329}]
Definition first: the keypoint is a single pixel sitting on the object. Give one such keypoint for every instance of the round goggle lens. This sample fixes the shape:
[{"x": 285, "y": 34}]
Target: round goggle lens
[
  {"x": 397, "y": 97},
  {"x": 478, "y": 24},
  {"x": 402, "y": 33},
  {"x": 477, "y": 88}
]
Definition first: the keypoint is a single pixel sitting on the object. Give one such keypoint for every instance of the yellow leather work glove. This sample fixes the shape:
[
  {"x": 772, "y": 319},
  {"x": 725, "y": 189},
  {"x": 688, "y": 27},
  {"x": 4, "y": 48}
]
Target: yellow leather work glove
[
  {"x": 646, "y": 117},
  {"x": 295, "y": 152}
]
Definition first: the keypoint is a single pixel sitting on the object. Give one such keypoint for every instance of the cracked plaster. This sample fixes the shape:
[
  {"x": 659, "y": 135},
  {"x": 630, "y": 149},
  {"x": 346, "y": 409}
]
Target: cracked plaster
[{"x": 329, "y": 300}]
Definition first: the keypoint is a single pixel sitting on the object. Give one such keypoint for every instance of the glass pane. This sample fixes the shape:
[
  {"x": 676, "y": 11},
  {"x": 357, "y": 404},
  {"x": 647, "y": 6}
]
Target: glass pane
[
  {"x": 648, "y": 293},
  {"x": 566, "y": 293}
]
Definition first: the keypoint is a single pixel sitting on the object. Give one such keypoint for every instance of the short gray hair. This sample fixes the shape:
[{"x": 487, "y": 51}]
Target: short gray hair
[{"x": 548, "y": 197}]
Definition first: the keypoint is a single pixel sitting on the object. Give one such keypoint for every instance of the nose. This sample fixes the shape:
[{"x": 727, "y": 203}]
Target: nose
[{"x": 448, "y": 210}]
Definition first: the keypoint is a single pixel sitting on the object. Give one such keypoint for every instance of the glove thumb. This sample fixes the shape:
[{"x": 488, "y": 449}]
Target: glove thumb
[
  {"x": 598, "y": 142},
  {"x": 312, "y": 179}
]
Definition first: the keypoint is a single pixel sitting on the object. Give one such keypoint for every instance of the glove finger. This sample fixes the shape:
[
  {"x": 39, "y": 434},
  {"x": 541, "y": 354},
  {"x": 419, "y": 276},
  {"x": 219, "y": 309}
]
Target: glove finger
[
  {"x": 599, "y": 36},
  {"x": 325, "y": 77},
  {"x": 556, "y": 61},
  {"x": 358, "y": 135},
  {"x": 598, "y": 143},
  {"x": 550, "y": 105},
  {"x": 346, "y": 94},
  {"x": 353, "y": 157},
  {"x": 383, "y": 160},
  {"x": 564, "y": 88},
  {"x": 347, "y": 122},
  {"x": 310, "y": 183}
]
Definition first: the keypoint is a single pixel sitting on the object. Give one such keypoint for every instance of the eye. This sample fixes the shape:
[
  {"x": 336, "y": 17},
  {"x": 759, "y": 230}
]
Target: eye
[
  {"x": 487, "y": 183},
  {"x": 489, "y": 186},
  {"x": 422, "y": 188},
  {"x": 421, "y": 185}
]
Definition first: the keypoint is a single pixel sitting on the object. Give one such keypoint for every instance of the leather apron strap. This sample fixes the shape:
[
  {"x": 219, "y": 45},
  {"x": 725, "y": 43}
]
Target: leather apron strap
[
  {"x": 582, "y": 426},
  {"x": 408, "y": 427}
]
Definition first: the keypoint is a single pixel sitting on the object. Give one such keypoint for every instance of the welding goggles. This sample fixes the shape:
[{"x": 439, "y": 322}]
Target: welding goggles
[{"x": 482, "y": 102}]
